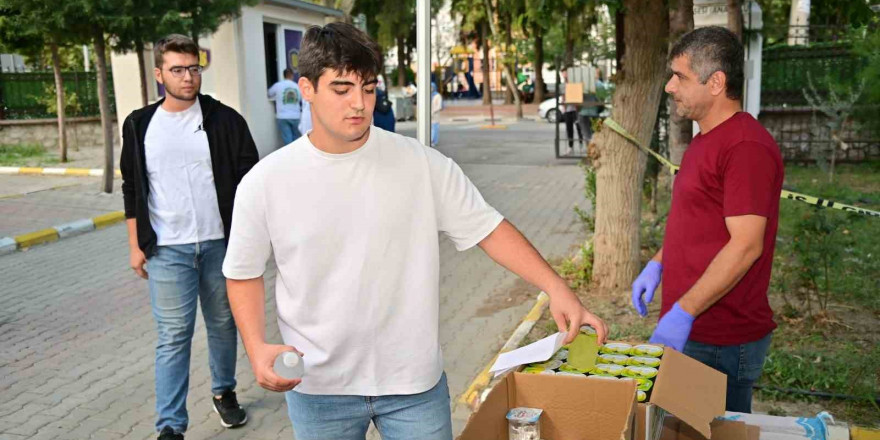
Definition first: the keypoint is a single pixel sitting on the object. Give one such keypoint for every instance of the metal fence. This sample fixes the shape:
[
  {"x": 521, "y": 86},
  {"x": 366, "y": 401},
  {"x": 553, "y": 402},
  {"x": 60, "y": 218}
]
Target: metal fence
[
  {"x": 26, "y": 95},
  {"x": 814, "y": 59}
]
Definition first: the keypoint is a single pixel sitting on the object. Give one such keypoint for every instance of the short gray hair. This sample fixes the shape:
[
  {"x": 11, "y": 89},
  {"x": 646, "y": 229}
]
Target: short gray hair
[{"x": 713, "y": 49}]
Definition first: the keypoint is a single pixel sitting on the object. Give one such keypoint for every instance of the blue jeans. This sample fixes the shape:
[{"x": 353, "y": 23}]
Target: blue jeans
[
  {"x": 180, "y": 276},
  {"x": 425, "y": 416},
  {"x": 435, "y": 133},
  {"x": 289, "y": 130},
  {"x": 741, "y": 363}
]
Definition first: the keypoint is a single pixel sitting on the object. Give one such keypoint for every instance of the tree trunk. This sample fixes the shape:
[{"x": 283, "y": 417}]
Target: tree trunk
[
  {"x": 139, "y": 48},
  {"x": 539, "y": 65},
  {"x": 484, "y": 65},
  {"x": 104, "y": 105},
  {"x": 59, "y": 101},
  {"x": 508, "y": 97},
  {"x": 568, "y": 57},
  {"x": 401, "y": 62},
  {"x": 619, "y": 165},
  {"x": 681, "y": 21},
  {"x": 735, "y": 17}
]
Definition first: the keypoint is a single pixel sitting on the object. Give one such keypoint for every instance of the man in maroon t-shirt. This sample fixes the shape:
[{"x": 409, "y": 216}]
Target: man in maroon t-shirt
[{"x": 718, "y": 249}]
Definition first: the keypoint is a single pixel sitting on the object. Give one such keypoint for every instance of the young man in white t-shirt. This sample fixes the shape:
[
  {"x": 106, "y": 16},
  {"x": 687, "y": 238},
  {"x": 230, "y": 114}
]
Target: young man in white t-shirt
[
  {"x": 288, "y": 107},
  {"x": 351, "y": 213}
]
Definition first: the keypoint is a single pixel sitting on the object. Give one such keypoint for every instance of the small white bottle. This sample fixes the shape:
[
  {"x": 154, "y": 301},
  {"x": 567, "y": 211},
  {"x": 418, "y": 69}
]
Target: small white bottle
[{"x": 289, "y": 365}]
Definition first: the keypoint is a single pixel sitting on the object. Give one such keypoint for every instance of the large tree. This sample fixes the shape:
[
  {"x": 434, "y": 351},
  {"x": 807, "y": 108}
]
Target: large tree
[
  {"x": 620, "y": 166},
  {"x": 29, "y": 25},
  {"x": 681, "y": 21},
  {"x": 203, "y": 17},
  {"x": 142, "y": 22}
]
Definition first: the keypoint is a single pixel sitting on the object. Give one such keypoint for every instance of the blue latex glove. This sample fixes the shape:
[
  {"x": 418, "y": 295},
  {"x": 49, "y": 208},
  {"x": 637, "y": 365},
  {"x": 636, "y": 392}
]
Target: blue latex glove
[
  {"x": 674, "y": 328},
  {"x": 645, "y": 285}
]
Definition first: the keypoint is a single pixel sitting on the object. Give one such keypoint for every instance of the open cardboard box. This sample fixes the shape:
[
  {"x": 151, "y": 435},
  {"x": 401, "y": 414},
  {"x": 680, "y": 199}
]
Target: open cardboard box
[
  {"x": 574, "y": 408},
  {"x": 686, "y": 388},
  {"x": 674, "y": 429},
  {"x": 577, "y": 408}
]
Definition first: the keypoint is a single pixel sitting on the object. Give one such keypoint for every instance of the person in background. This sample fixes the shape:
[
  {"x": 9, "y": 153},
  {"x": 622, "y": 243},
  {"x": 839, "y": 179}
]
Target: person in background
[
  {"x": 288, "y": 109},
  {"x": 717, "y": 252},
  {"x": 182, "y": 160},
  {"x": 305, "y": 121},
  {"x": 436, "y": 106},
  {"x": 383, "y": 115}
]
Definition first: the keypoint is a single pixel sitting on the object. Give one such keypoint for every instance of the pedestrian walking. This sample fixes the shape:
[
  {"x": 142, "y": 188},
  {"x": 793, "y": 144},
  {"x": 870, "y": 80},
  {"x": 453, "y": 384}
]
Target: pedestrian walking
[{"x": 288, "y": 109}]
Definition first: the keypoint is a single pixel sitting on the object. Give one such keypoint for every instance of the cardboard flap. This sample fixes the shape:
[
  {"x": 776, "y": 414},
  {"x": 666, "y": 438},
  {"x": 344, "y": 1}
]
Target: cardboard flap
[
  {"x": 690, "y": 390},
  {"x": 489, "y": 423},
  {"x": 753, "y": 432},
  {"x": 578, "y": 408},
  {"x": 673, "y": 429}
]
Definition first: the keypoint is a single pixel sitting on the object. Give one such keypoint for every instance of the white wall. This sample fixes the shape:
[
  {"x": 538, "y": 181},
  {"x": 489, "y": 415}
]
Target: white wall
[
  {"x": 236, "y": 75},
  {"x": 256, "y": 107}
]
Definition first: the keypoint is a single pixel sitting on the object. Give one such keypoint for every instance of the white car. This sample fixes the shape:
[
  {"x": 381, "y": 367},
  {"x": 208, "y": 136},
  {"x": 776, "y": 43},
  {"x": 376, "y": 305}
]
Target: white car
[{"x": 548, "y": 110}]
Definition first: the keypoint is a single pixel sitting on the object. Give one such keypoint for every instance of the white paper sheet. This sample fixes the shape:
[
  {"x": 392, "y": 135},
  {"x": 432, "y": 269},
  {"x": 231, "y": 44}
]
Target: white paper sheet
[{"x": 538, "y": 351}]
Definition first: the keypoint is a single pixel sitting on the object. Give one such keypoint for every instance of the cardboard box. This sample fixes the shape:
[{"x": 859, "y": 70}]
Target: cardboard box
[
  {"x": 674, "y": 429},
  {"x": 686, "y": 388},
  {"x": 574, "y": 408},
  {"x": 574, "y": 93}
]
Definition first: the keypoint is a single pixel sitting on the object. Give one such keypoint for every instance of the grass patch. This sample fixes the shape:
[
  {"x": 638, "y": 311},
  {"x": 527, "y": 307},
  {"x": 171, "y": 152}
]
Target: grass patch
[{"x": 24, "y": 155}]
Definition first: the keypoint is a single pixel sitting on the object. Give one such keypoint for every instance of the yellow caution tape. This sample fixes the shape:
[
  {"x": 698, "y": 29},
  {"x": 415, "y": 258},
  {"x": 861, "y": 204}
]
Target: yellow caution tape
[{"x": 673, "y": 169}]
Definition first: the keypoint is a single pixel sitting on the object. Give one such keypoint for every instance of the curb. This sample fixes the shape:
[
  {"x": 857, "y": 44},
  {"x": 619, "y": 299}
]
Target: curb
[
  {"x": 40, "y": 171},
  {"x": 24, "y": 241},
  {"x": 472, "y": 396}
]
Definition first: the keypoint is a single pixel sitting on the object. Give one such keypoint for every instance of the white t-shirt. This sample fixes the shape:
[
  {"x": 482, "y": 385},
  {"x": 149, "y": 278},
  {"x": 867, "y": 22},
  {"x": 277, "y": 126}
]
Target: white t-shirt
[
  {"x": 183, "y": 200},
  {"x": 287, "y": 99},
  {"x": 355, "y": 240}
]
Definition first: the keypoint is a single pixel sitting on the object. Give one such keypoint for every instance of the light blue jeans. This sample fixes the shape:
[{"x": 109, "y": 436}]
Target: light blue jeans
[
  {"x": 289, "y": 129},
  {"x": 435, "y": 133},
  {"x": 180, "y": 276},
  {"x": 741, "y": 363},
  {"x": 423, "y": 416}
]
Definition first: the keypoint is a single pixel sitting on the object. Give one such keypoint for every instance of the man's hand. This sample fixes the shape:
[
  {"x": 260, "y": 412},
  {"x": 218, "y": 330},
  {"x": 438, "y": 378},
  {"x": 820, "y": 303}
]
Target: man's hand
[
  {"x": 137, "y": 260},
  {"x": 262, "y": 359},
  {"x": 674, "y": 328},
  {"x": 567, "y": 308},
  {"x": 644, "y": 286}
]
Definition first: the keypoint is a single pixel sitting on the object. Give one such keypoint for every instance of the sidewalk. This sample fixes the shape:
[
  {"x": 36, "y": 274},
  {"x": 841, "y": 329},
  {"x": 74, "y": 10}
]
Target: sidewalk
[
  {"x": 476, "y": 111},
  {"x": 31, "y": 203}
]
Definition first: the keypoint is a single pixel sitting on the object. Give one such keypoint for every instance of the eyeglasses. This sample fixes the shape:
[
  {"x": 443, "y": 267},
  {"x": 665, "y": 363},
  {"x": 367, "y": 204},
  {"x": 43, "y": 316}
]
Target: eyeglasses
[{"x": 180, "y": 71}]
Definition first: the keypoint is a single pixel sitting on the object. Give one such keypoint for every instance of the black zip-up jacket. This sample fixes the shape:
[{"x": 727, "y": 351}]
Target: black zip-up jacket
[{"x": 233, "y": 153}]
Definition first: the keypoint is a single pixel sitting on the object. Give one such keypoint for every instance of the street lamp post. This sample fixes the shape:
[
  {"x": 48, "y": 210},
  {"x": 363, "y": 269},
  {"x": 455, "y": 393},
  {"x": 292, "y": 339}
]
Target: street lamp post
[{"x": 423, "y": 75}]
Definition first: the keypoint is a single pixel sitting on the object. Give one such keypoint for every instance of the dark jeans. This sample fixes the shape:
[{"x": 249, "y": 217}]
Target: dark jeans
[
  {"x": 571, "y": 121},
  {"x": 741, "y": 363}
]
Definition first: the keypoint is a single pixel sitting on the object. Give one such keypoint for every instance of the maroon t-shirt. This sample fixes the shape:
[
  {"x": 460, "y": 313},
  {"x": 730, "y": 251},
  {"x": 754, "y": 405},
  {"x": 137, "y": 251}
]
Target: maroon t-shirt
[{"x": 735, "y": 169}]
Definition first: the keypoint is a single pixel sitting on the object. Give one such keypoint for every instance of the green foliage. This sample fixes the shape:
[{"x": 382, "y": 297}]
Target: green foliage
[
  {"x": 48, "y": 99},
  {"x": 579, "y": 270},
  {"x": 13, "y": 155},
  {"x": 847, "y": 368},
  {"x": 851, "y": 241}
]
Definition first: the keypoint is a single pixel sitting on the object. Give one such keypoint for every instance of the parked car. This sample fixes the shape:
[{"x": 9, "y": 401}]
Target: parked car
[{"x": 548, "y": 110}]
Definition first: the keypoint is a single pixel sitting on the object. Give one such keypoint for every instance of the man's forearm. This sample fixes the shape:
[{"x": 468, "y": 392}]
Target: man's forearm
[
  {"x": 247, "y": 301},
  {"x": 658, "y": 257},
  {"x": 131, "y": 225},
  {"x": 726, "y": 270},
  {"x": 509, "y": 248}
]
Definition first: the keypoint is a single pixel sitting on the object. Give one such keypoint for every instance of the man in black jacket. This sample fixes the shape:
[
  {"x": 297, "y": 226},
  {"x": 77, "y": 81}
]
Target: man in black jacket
[{"x": 182, "y": 159}]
